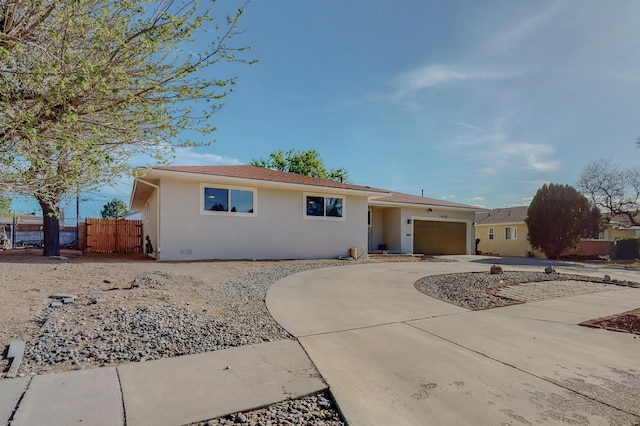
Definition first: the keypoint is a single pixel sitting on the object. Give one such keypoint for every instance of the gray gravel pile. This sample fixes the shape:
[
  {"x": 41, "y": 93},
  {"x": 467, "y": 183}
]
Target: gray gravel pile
[
  {"x": 138, "y": 334},
  {"x": 242, "y": 301},
  {"x": 79, "y": 335},
  {"x": 469, "y": 290},
  {"x": 314, "y": 410}
]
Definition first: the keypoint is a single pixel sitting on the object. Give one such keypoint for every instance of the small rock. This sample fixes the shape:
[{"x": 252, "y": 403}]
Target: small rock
[
  {"x": 99, "y": 300},
  {"x": 495, "y": 269},
  {"x": 607, "y": 278},
  {"x": 549, "y": 270},
  {"x": 63, "y": 296},
  {"x": 56, "y": 304}
]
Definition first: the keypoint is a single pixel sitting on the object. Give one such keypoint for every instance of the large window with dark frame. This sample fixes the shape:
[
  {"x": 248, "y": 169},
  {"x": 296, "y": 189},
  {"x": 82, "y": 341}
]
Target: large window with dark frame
[
  {"x": 228, "y": 200},
  {"x": 322, "y": 206}
]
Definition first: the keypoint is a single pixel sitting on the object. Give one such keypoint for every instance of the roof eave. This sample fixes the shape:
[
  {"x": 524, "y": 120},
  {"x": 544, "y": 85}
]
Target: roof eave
[
  {"x": 424, "y": 206},
  {"x": 202, "y": 177}
]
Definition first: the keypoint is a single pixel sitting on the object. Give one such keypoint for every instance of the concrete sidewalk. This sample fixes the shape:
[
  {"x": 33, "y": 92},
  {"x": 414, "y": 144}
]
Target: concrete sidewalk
[
  {"x": 392, "y": 355},
  {"x": 171, "y": 391}
]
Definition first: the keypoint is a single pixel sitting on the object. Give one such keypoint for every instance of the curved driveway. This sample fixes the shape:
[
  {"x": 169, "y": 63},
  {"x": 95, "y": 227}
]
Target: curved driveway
[{"x": 392, "y": 355}]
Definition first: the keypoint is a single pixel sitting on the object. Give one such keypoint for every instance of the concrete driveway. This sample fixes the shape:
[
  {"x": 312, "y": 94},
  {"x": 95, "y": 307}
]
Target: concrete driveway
[{"x": 392, "y": 355}]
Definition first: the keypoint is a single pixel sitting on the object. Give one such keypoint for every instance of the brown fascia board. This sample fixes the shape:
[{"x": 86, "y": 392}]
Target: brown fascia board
[{"x": 427, "y": 203}]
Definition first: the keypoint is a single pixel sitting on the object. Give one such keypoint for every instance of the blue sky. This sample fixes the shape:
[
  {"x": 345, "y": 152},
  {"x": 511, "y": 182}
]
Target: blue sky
[{"x": 474, "y": 102}]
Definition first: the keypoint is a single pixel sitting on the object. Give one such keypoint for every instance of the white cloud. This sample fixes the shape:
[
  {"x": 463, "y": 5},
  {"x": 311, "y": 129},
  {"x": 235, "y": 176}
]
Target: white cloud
[
  {"x": 189, "y": 157},
  {"x": 527, "y": 200},
  {"x": 512, "y": 37},
  {"x": 538, "y": 158},
  {"x": 439, "y": 75},
  {"x": 461, "y": 124},
  {"x": 497, "y": 150}
]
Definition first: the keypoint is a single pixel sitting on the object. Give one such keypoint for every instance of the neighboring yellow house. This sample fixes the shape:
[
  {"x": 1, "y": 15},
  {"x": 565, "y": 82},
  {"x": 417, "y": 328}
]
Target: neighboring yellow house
[
  {"x": 503, "y": 232},
  {"x": 619, "y": 226}
]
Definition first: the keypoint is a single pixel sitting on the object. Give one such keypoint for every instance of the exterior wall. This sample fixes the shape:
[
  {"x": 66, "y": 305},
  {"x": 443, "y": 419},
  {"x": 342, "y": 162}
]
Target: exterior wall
[
  {"x": 593, "y": 247},
  {"x": 377, "y": 228},
  {"x": 150, "y": 224},
  {"x": 616, "y": 233},
  {"x": 440, "y": 215},
  {"x": 279, "y": 229},
  {"x": 499, "y": 245},
  {"x": 392, "y": 229},
  {"x": 32, "y": 235}
]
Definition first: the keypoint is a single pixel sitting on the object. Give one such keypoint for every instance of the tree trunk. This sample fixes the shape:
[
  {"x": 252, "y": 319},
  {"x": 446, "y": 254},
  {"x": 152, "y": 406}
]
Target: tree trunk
[{"x": 51, "y": 228}]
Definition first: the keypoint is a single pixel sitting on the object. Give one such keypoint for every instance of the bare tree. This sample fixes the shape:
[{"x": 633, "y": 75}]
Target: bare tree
[{"x": 612, "y": 188}]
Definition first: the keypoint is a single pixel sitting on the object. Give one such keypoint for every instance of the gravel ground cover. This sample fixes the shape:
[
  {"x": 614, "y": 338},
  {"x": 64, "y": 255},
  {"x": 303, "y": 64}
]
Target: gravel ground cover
[
  {"x": 313, "y": 410},
  {"x": 474, "y": 290}
]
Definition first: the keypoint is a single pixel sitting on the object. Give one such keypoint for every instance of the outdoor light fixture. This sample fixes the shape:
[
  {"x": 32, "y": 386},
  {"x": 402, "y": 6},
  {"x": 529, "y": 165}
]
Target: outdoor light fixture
[
  {"x": 429, "y": 210},
  {"x": 409, "y": 221}
]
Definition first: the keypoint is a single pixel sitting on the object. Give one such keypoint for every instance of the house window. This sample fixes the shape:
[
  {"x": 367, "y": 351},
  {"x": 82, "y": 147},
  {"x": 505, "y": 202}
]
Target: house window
[
  {"x": 318, "y": 206},
  {"x": 510, "y": 233},
  {"x": 491, "y": 233},
  {"x": 221, "y": 200}
]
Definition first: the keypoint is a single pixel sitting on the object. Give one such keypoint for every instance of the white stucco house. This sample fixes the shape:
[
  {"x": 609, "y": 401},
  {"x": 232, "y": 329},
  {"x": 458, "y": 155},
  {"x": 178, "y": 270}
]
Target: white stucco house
[{"x": 247, "y": 212}]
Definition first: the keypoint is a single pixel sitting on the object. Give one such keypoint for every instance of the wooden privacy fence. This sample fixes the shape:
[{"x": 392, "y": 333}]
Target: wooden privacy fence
[{"x": 113, "y": 236}]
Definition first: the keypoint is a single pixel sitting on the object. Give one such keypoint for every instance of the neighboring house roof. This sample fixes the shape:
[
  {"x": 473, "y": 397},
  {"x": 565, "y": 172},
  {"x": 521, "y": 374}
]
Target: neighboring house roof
[
  {"x": 502, "y": 216},
  {"x": 400, "y": 198},
  {"x": 22, "y": 219},
  {"x": 133, "y": 216},
  {"x": 620, "y": 220}
]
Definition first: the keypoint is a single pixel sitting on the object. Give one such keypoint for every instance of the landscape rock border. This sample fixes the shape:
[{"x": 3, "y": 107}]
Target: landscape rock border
[{"x": 477, "y": 290}]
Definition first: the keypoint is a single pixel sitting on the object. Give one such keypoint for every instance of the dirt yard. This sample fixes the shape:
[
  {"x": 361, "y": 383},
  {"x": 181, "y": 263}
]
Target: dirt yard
[{"x": 28, "y": 280}]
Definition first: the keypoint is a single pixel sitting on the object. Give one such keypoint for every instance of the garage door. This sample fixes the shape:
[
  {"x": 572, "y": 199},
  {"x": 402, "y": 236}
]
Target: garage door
[{"x": 431, "y": 237}]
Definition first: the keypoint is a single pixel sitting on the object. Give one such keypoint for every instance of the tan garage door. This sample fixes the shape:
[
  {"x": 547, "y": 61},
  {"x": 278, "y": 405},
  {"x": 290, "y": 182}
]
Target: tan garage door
[{"x": 432, "y": 237}]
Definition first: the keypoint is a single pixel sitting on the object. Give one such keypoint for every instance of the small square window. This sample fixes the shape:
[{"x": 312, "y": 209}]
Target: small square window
[
  {"x": 216, "y": 199},
  {"x": 241, "y": 201},
  {"x": 315, "y": 206}
]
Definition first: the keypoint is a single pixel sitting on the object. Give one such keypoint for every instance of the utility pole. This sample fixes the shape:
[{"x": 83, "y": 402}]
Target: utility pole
[{"x": 78, "y": 220}]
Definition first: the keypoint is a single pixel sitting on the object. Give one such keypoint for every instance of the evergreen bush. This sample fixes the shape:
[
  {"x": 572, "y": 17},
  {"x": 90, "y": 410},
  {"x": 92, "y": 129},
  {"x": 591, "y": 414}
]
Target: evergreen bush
[{"x": 627, "y": 248}]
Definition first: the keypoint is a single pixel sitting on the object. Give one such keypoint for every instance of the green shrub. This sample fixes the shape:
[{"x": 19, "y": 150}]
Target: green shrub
[{"x": 627, "y": 248}]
